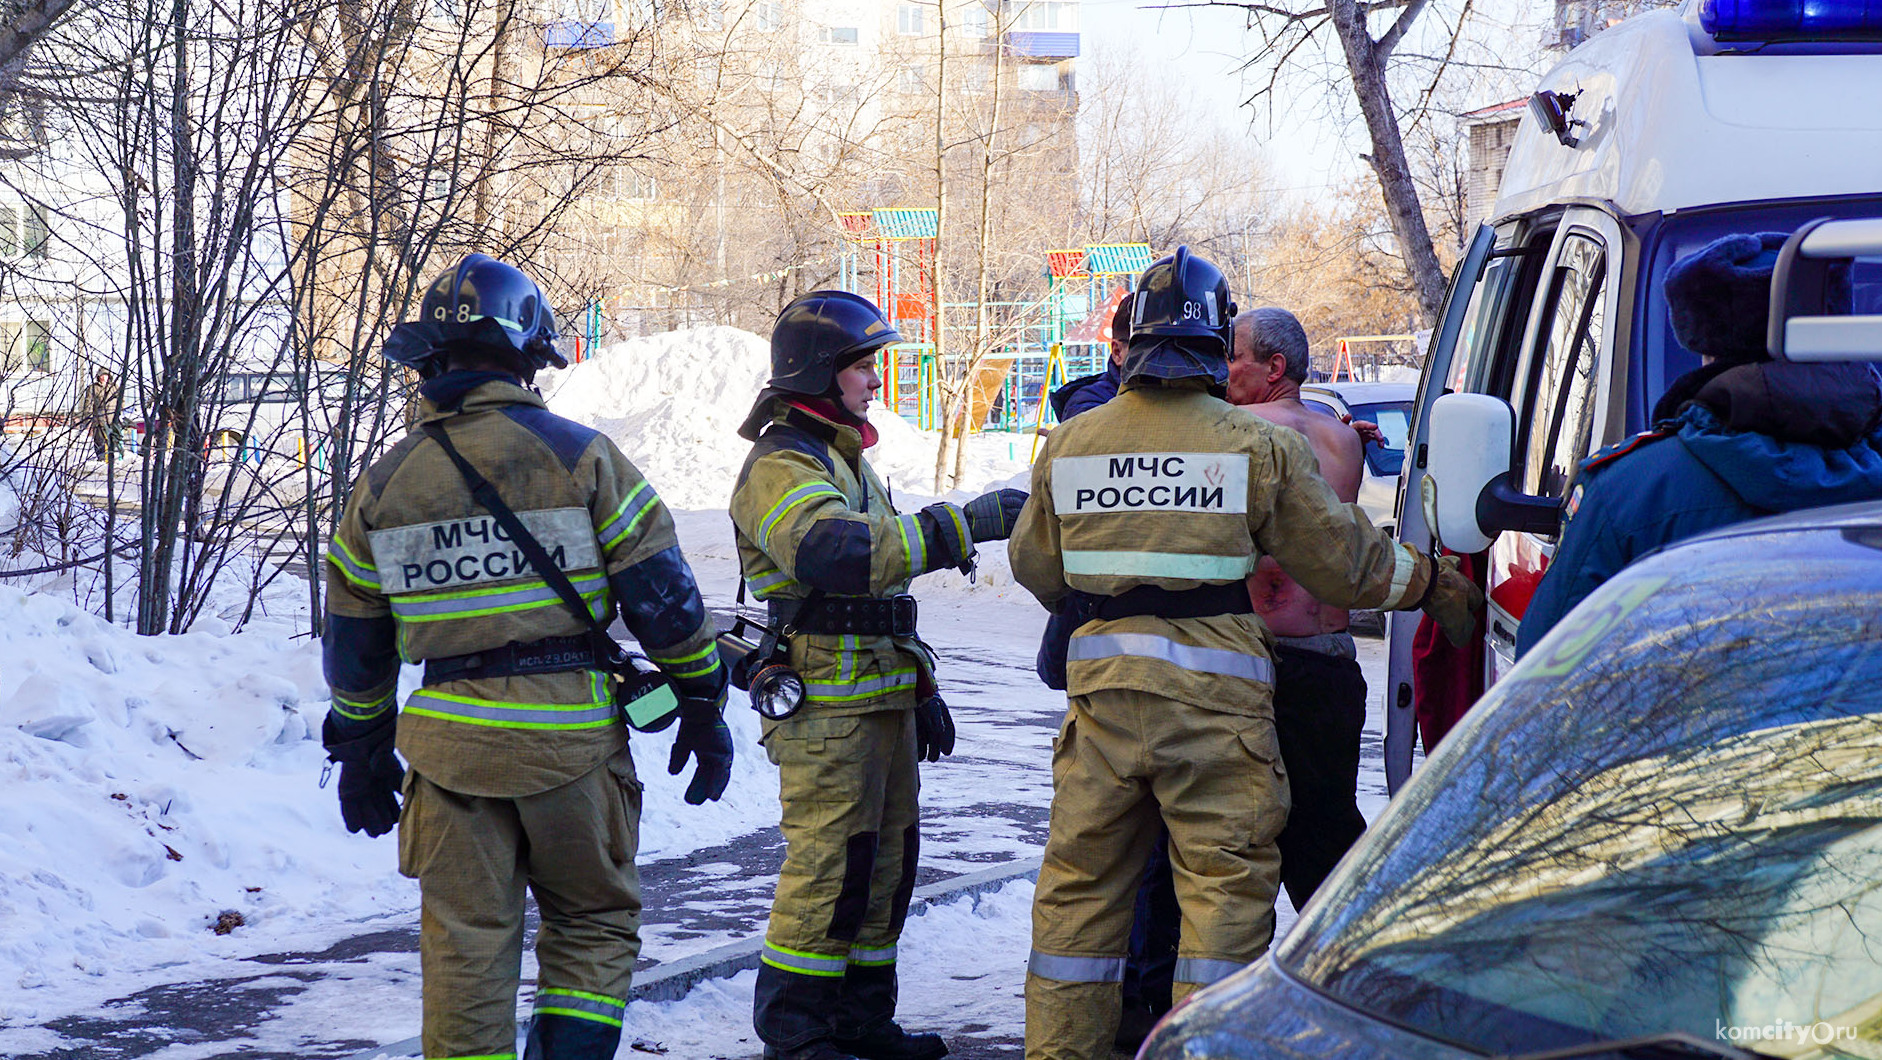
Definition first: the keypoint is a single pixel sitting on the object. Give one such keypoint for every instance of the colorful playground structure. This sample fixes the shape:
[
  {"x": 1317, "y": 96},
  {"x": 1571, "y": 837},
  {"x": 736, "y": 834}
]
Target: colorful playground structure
[{"x": 1038, "y": 345}]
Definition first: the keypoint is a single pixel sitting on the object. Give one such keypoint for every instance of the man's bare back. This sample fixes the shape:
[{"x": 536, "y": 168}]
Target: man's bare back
[{"x": 1288, "y": 609}]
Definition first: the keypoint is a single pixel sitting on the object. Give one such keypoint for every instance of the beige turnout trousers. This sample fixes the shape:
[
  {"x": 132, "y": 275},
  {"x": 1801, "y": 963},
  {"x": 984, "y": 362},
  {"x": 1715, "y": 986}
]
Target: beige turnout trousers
[
  {"x": 1122, "y": 759},
  {"x": 573, "y": 847}
]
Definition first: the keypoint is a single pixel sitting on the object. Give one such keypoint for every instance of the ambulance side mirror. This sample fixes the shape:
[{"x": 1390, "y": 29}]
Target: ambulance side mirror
[
  {"x": 1811, "y": 319},
  {"x": 1470, "y": 460}
]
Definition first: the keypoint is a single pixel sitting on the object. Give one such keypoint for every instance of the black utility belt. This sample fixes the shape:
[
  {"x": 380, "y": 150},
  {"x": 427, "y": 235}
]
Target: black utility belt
[
  {"x": 868, "y": 616},
  {"x": 1204, "y": 601},
  {"x": 518, "y": 658}
]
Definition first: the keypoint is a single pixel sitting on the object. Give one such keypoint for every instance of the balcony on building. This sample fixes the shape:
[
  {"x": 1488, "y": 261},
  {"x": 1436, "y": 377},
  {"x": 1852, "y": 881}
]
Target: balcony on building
[
  {"x": 1042, "y": 29},
  {"x": 1042, "y": 44}
]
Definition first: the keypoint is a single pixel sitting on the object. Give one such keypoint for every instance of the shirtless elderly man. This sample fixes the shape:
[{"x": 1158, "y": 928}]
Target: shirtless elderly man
[{"x": 1319, "y": 695}]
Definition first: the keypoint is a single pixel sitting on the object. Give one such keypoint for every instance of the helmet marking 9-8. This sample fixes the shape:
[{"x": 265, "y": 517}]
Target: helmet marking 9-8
[
  {"x": 484, "y": 305},
  {"x": 1182, "y": 321}
]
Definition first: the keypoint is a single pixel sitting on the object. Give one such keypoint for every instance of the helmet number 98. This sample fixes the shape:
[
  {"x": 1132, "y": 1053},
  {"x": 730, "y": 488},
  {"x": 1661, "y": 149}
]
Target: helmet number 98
[
  {"x": 443, "y": 315},
  {"x": 1192, "y": 311}
]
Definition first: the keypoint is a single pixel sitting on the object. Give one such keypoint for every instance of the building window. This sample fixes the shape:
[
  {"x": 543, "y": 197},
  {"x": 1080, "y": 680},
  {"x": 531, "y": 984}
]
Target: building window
[
  {"x": 26, "y": 346},
  {"x": 838, "y": 34},
  {"x": 629, "y": 184},
  {"x": 912, "y": 79},
  {"x": 1046, "y": 15},
  {"x": 836, "y": 95},
  {"x": 23, "y": 231},
  {"x": 1035, "y": 77},
  {"x": 441, "y": 11},
  {"x": 976, "y": 21},
  {"x": 910, "y": 20},
  {"x": 768, "y": 16}
]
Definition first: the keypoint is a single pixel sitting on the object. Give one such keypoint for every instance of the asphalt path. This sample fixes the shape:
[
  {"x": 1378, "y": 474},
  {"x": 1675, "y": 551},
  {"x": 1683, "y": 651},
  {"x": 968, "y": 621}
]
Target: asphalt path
[{"x": 984, "y": 806}]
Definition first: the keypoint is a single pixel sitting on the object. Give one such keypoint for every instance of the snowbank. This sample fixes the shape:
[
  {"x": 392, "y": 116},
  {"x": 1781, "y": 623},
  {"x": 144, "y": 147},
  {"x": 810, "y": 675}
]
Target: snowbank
[
  {"x": 673, "y": 403},
  {"x": 155, "y": 782}
]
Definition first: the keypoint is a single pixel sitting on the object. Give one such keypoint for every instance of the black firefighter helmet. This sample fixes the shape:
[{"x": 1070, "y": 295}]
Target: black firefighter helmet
[
  {"x": 485, "y": 304},
  {"x": 1182, "y": 321},
  {"x": 817, "y": 336}
]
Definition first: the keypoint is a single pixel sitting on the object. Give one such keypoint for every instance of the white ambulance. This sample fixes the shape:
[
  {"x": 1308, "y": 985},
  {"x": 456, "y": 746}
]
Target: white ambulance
[{"x": 1652, "y": 139}]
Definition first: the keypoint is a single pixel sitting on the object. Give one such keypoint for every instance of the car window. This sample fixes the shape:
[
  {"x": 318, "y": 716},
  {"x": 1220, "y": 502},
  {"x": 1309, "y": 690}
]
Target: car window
[
  {"x": 1394, "y": 420},
  {"x": 234, "y": 388},
  {"x": 1479, "y": 323},
  {"x": 1655, "y": 357},
  {"x": 1497, "y": 321},
  {"x": 1321, "y": 407},
  {"x": 278, "y": 387},
  {"x": 1667, "y": 818},
  {"x": 1555, "y": 406}
]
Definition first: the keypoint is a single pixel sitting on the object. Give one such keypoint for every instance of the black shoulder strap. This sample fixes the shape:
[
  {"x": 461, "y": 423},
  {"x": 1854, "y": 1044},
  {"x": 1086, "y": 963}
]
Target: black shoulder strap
[{"x": 486, "y": 494}]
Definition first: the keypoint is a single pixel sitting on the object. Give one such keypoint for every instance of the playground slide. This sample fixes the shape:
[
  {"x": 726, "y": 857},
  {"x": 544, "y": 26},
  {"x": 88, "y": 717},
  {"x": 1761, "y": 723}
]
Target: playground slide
[{"x": 987, "y": 383}]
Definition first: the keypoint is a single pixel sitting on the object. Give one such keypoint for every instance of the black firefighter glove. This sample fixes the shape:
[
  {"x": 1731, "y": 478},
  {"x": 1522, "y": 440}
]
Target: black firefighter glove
[
  {"x": 370, "y": 773},
  {"x": 992, "y": 516},
  {"x": 934, "y": 730},
  {"x": 703, "y": 734}
]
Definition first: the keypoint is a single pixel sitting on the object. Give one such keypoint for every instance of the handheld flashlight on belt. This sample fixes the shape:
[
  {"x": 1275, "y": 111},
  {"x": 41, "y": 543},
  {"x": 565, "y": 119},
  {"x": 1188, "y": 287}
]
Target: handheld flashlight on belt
[{"x": 777, "y": 691}]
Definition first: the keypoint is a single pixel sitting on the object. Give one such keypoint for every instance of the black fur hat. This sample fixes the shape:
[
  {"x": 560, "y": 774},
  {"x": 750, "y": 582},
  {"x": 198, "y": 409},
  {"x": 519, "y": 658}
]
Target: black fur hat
[{"x": 1719, "y": 296}]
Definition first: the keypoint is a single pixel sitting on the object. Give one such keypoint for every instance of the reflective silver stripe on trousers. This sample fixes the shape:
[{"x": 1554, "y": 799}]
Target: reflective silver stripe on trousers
[
  {"x": 1076, "y": 969},
  {"x": 863, "y": 689},
  {"x": 809, "y": 964},
  {"x": 1187, "y": 656},
  {"x": 591, "y": 1004},
  {"x": 1203, "y": 970},
  {"x": 862, "y": 956},
  {"x": 532, "y": 715}
]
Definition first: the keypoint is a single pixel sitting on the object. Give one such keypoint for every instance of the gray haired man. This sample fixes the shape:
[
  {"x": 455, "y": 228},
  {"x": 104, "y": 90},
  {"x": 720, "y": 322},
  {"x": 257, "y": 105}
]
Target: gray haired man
[{"x": 1319, "y": 695}]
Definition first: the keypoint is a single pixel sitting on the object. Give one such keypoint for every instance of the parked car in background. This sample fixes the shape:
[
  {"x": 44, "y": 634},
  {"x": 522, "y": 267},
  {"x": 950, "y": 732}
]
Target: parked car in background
[
  {"x": 1387, "y": 404},
  {"x": 1666, "y": 820},
  {"x": 257, "y": 414}
]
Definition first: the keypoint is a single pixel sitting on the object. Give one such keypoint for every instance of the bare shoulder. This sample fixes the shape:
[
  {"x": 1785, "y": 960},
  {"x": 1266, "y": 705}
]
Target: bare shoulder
[{"x": 1332, "y": 436}]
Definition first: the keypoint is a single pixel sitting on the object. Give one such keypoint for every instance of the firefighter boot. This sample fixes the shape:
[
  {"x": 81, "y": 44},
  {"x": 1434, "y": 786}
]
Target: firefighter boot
[
  {"x": 865, "y": 1019},
  {"x": 791, "y": 1012},
  {"x": 821, "y": 1050},
  {"x": 557, "y": 1037}
]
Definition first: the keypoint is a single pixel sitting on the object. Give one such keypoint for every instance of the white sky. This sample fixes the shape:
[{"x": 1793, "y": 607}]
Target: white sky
[{"x": 1202, "y": 47}]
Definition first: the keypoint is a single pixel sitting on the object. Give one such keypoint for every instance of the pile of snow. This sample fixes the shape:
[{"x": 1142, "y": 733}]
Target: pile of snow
[
  {"x": 673, "y": 402},
  {"x": 155, "y": 783}
]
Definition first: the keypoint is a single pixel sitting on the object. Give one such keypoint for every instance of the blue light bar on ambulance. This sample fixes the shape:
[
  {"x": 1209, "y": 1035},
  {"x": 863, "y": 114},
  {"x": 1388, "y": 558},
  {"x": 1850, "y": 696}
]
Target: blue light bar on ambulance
[{"x": 1792, "y": 20}]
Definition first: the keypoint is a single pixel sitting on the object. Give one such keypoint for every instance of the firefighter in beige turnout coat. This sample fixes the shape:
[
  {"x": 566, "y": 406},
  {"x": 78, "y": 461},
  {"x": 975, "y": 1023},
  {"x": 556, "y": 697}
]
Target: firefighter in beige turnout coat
[
  {"x": 520, "y": 774},
  {"x": 821, "y": 544},
  {"x": 1154, "y": 508}
]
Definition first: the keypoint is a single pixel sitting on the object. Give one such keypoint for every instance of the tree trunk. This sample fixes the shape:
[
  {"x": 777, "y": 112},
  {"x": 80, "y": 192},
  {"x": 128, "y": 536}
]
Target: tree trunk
[
  {"x": 178, "y": 387},
  {"x": 1366, "y": 61},
  {"x": 982, "y": 337},
  {"x": 938, "y": 272},
  {"x": 486, "y": 216}
]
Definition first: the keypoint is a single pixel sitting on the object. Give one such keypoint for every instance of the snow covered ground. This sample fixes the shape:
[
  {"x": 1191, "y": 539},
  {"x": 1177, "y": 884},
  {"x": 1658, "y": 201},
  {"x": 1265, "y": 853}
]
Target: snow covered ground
[{"x": 158, "y": 788}]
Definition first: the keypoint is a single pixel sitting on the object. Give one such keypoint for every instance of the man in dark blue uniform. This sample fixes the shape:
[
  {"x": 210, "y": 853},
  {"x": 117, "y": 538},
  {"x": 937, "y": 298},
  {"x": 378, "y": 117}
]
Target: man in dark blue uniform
[{"x": 1740, "y": 437}]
